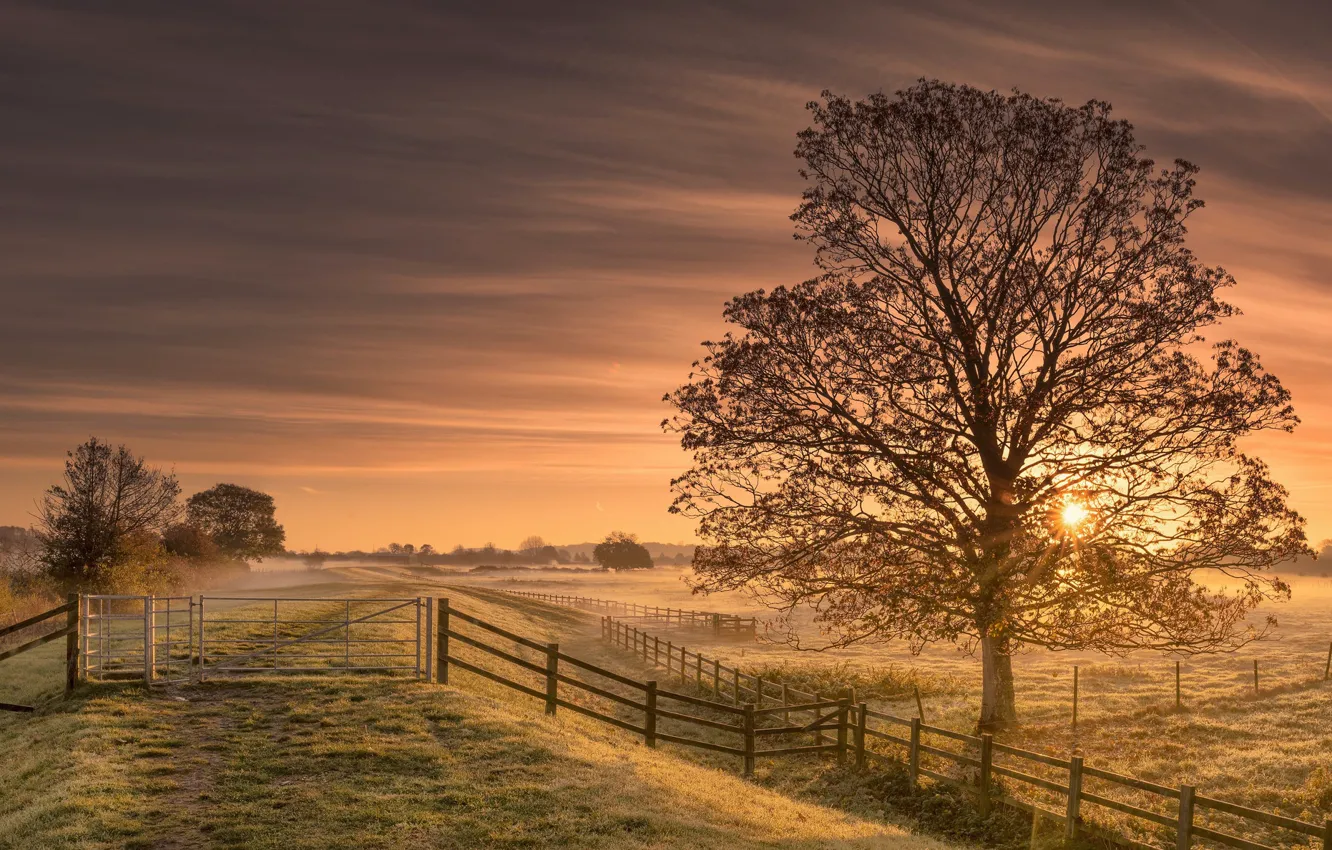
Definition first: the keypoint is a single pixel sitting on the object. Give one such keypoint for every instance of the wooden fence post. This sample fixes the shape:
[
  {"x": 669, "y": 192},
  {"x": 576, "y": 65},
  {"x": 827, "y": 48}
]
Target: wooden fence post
[
  {"x": 758, "y": 690},
  {"x": 786, "y": 700},
  {"x": 684, "y": 673},
  {"x": 716, "y": 679},
  {"x": 843, "y": 709},
  {"x": 986, "y": 765},
  {"x": 913, "y": 758},
  {"x": 552, "y": 670},
  {"x": 1327, "y": 668},
  {"x": 429, "y": 639},
  {"x": 1074, "y": 797},
  {"x": 650, "y": 716},
  {"x": 442, "y": 642},
  {"x": 1327, "y": 834},
  {"x": 735, "y": 683},
  {"x": 1179, "y": 700},
  {"x": 749, "y": 739},
  {"x": 698, "y": 670},
  {"x": 1255, "y": 676},
  {"x": 1075, "y": 698},
  {"x": 1184, "y": 831},
  {"x": 862, "y": 723},
  {"x": 656, "y": 651},
  {"x": 670, "y": 651},
  {"x": 920, "y": 708},
  {"x": 72, "y": 643},
  {"x": 716, "y": 624}
]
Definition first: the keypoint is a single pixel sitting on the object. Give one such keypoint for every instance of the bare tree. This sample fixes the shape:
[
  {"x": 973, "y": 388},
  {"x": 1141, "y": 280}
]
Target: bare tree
[
  {"x": 532, "y": 545},
  {"x": 991, "y": 420},
  {"x": 108, "y": 502}
]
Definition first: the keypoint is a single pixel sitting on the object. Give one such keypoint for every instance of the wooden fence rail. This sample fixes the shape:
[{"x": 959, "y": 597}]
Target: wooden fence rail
[
  {"x": 676, "y": 618},
  {"x": 977, "y": 757},
  {"x": 747, "y": 730},
  {"x": 70, "y": 632}
]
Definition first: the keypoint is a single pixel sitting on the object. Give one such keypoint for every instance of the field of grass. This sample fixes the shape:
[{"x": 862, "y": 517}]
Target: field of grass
[
  {"x": 369, "y": 761},
  {"x": 1271, "y": 749}
]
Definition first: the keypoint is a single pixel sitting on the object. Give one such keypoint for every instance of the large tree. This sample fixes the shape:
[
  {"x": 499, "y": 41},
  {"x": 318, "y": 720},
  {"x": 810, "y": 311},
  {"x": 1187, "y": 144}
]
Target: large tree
[
  {"x": 992, "y": 418},
  {"x": 110, "y": 501},
  {"x": 239, "y": 520}
]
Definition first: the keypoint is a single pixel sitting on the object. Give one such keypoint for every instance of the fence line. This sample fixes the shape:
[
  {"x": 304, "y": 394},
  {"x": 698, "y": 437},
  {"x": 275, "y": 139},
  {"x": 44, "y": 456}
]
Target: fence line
[
  {"x": 726, "y": 682},
  {"x": 746, "y": 721},
  {"x": 677, "y": 618},
  {"x": 733, "y": 684},
  {"x": 70, "y": 631}
]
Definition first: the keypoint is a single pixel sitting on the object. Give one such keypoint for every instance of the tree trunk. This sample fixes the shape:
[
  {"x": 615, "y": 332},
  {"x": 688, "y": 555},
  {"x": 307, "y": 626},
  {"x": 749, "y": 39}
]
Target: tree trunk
[{"x": 998, "y": 703}]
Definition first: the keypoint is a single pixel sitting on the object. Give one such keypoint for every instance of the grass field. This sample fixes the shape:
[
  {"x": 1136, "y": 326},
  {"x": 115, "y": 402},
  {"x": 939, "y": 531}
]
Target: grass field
[
  {"x": 1271, "y": 749},
  {"x": 368, "y": 761}
]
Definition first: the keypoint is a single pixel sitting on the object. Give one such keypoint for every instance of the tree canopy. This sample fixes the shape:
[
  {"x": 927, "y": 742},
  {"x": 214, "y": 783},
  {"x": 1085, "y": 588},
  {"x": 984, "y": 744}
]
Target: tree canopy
[
  {"x": 992, "y": 418},
  {"x": 240, "y": 521},
  {"x": 109, "y": 503},
  {"x": 621, "y": 551}
]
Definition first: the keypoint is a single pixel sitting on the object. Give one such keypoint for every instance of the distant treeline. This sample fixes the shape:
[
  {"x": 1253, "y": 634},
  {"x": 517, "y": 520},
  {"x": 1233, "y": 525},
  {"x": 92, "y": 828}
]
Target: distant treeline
[
  {"x": 543, "y": 555},
  {"x": 1304, "y": 566}
]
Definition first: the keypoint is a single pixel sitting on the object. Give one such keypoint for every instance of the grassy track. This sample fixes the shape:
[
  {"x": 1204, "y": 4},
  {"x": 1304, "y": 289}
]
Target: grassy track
[{"x": 362, "y": 761}]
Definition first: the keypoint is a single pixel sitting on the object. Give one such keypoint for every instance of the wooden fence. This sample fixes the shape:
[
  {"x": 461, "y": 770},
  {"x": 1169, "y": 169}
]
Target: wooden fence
[
  {"x": 70, "y": 632},
  {"x": 748, "y": 723},
  {"x": 667, "y": 618},
  {"x": 930, "y": 751}
]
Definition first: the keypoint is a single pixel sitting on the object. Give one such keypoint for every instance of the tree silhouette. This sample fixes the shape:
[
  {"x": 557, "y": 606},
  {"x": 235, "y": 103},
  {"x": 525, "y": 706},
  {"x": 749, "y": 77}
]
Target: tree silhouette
[
  {"x": 531, "y": 545},
  {"x": 108, "y": 501},
  {"x": 621, "y": 551},
  {"x": 239, "y": 520},
  {"x": 991, "y": 419}
]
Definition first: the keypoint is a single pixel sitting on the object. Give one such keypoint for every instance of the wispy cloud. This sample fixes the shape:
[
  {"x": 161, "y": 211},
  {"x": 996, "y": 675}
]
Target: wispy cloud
[{"x": 453, "y": 255}]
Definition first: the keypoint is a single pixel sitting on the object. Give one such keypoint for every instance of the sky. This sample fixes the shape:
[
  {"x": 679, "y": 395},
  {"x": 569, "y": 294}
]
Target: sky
[{"x": 424, "y": 270}]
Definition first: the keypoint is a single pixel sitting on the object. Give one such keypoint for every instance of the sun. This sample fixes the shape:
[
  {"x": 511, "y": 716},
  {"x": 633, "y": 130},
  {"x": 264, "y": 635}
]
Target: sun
[{"x": 1074, "y": 514}]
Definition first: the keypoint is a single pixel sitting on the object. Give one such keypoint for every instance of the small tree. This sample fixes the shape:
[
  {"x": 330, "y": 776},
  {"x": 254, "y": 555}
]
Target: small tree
[
  {"x": 532, "y": 545},
  {"x": 239, "y": 520},
  {"x": 621, "y": 551},
  {"x": 987, "y": 422},
  {"x": 110, "y": 501}
]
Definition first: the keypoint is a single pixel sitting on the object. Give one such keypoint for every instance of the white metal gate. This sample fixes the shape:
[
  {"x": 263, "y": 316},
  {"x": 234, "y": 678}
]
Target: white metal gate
[
  {"x": 163, "y": 639},
  {"x": 136, "y": 637},
  {"x": 257, "y": 635}
]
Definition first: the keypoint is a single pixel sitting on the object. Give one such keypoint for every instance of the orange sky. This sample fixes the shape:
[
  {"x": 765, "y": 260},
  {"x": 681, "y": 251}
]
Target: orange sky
[{"x": 425, "y": 275}]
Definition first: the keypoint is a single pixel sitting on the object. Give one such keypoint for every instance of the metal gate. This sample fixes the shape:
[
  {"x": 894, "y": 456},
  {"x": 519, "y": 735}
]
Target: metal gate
[
  {"x": 136, "y": 637},
  {"x": 247, "y": 635},
  {"x": 164, "y": 639}
]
